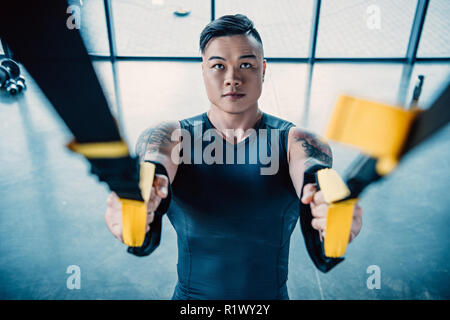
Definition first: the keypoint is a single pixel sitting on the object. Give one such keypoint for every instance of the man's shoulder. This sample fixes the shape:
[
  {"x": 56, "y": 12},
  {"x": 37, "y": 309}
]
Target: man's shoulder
[
  {"x": 192, "y": 120},
  {"x": 284, "y": 127},
  {"x": 275, "y": 122}
]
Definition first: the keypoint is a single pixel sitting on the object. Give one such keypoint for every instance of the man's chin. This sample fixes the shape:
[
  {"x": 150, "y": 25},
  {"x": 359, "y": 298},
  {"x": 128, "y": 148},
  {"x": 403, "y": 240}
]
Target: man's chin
[{"x": 237, "y": 108}]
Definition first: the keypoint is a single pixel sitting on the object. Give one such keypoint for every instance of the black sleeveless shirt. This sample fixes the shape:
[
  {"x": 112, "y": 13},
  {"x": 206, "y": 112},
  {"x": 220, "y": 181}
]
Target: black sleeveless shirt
[{"x": 233, "y": 219}]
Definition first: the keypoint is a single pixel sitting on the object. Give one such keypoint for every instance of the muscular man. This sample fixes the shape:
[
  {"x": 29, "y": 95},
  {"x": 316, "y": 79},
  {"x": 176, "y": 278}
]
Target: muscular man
[{"x": 235, "y": 175}]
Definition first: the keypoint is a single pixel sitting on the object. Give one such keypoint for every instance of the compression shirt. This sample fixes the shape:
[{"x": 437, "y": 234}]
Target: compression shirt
[{"x": 233, "y": 222}]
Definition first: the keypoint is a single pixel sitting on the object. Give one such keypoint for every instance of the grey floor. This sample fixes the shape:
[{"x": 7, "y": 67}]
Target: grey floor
[{"x": 52, "y": 210}]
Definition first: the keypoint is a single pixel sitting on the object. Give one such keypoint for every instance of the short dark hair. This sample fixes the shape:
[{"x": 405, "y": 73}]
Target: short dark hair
[{"x": 228, "y": 25}]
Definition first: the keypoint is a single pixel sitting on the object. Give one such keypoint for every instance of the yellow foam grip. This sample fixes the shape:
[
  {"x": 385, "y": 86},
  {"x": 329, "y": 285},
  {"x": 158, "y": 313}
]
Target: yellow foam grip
[
  {"x": 134, "y": 213},
  {"x": 339, "y": 222},
  {"x": 339, "y": 214},
  {"x": 134, "y": 218},
  {"x": 92, "y": 150},
  {"x": 379, "y": 130},
  {"x": 332, "y": 186}
]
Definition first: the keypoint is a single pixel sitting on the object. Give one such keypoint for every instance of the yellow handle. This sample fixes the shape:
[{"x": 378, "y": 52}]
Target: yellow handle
[
  {"x": 339, "y": 223},
  {"x": 134, "y": 212},
  {"x": 339, "y": 214},
  {"x": 377, "y": 129},
  {"x": 95, "y": 150},
  {"x": 134, "y": 218}
]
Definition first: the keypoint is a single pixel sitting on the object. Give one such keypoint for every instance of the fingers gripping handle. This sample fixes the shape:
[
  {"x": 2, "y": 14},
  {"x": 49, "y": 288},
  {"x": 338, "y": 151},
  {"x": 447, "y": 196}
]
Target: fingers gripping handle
[
  {"x": 314, "y": 245},
  {"x": 340, "y": 211},
  {"x": 134, "y": 212},
  {"x": 152, "y": 238}
]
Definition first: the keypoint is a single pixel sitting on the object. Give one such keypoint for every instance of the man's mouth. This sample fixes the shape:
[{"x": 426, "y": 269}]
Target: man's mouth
[{"x": 233, "y": 95}]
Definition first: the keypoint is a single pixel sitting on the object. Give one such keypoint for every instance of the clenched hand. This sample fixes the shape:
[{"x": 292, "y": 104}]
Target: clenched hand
[{"x": 113, "y": 214}]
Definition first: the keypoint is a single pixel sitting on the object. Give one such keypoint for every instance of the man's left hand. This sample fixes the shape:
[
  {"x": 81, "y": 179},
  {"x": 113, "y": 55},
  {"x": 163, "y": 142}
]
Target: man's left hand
[{"x": 319, "y": 209}]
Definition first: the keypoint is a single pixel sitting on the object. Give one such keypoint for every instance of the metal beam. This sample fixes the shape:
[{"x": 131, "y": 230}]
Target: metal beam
[
  {"x": 274, "y": 59},
  {"x": 416, "y": 30},
  {"x": 364, "y": 60},
  {"x": 403, "y": 87},
  {"x": 314, "y": 31},
  {"x": 110, "y": 29},
  {"x": 433, "y": 59},
  {"x": 305, "y": 116},
  {"x": 113, "y": 58}
]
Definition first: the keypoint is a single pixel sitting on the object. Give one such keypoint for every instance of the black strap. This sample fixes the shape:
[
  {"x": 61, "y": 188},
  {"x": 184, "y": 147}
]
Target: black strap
[
  {"x": 430, "y": 120},
  {"x": 311, "y": 236},
  {"x": 360, "y": 174},
  {"x": 121, "y": 175},
  {"x": 152, "y": 239},
  {"x": 57, "y": 59}
]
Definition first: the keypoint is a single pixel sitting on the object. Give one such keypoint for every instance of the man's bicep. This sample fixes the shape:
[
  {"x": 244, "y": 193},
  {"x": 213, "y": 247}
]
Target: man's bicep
[
  {"x": 310, "y": 145},
  {"x": 305, "y": 149},
  {"x": 156, "y": 144}
]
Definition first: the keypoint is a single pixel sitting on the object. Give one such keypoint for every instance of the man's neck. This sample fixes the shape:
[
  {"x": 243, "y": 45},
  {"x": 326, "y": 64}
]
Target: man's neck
[{"x": 238, "y": 123}]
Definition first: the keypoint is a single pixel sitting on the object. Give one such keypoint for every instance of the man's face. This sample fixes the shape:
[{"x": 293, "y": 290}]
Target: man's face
[{"x": 233, "y": 64}]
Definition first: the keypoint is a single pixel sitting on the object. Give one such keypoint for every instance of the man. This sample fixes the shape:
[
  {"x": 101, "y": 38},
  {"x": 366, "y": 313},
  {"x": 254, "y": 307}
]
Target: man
[{"x": 233, "y": 216}]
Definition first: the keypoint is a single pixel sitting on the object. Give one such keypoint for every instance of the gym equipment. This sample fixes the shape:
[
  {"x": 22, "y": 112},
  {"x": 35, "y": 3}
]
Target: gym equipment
[
  {"x": 417, "y": 91},
  {"x": 357, "y": 122},
  {"x": 98, "y": 139},
  {"x": 62, "y": 68},
  {"x": 10, "y": 78}
]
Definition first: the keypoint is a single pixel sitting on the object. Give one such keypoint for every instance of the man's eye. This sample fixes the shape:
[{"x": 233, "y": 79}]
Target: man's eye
[
  {"x": 218, "y": 66},
  {"x": 246, "y": 65}
]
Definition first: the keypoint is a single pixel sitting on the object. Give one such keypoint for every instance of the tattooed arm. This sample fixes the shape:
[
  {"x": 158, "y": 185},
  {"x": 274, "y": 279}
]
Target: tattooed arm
[
  {"x": 303, "y": 147},
  {"x": 156, "y": 144}
]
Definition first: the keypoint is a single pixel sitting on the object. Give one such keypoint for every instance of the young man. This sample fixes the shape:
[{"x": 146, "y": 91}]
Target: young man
[{"x": 235, "y": 198}]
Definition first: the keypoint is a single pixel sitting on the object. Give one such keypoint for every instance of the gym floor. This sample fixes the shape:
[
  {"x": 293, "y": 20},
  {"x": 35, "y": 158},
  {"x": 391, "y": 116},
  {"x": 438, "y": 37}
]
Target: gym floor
[{"x": 52, "y": 210}]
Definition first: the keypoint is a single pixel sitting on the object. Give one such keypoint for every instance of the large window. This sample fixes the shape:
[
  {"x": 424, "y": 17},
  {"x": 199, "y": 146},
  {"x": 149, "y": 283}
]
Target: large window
[
  {"x": 365, "y": 28},
  {"x": 150, "y": 28},
  {"x": 372, "y": 81},
  {"x": 346, "y": 29},
  {"x": 284, "y": 26},
  {"x": 435, "y": 40}
]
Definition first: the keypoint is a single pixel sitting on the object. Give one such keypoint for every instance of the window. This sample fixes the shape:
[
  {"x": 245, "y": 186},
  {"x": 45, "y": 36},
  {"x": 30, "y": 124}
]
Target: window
[
  {"x": 365, "y": 28},
  {"x": 150, "y": 28},
  {"x": 372, "y": 81},
  {"x": 284, "y": 25},
  {"x": 435, "y": 39},
  {"x": 92, "y": 24}
]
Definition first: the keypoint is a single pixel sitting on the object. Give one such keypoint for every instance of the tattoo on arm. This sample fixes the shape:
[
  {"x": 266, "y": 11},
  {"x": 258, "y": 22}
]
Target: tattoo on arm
[
  {"x": 314, "y": 148},
  {"x": 154, "y": 139}
]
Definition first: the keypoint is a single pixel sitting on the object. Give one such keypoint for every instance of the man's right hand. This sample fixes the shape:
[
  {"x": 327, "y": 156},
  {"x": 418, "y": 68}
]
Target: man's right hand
[{"x": 113, "y": 214}]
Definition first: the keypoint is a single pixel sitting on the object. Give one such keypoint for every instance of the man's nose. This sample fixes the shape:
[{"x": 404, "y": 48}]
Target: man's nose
[{"x": 233, "y": 78}]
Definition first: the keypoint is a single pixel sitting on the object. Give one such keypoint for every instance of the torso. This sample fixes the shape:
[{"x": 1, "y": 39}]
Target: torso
[{"x": 234, "y": 223}]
